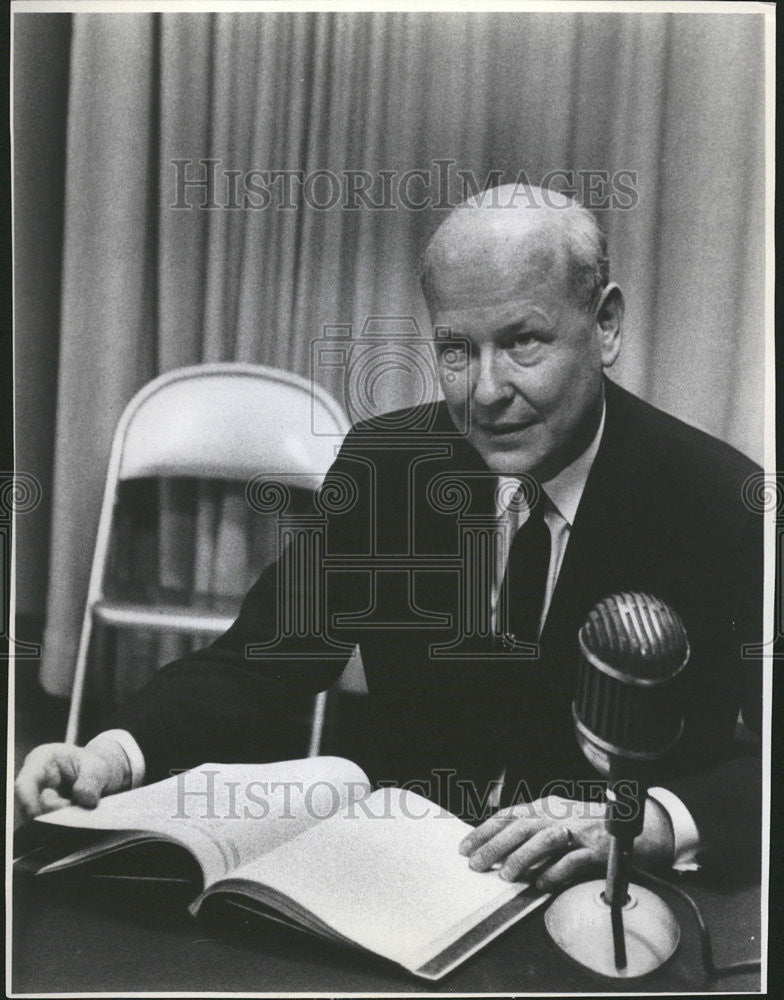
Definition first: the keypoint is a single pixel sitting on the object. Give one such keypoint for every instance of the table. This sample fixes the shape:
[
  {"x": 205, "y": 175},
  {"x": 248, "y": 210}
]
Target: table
[{"x": 78, "y": 935}]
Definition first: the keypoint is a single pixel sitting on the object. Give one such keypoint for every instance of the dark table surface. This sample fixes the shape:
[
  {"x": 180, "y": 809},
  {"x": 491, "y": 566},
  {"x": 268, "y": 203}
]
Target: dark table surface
[{"x": 80, "y": 935}]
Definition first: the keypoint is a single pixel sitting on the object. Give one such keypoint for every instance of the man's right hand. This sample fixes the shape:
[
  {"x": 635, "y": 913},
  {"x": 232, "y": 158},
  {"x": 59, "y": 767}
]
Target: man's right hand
[{"x": 60, "y": 774}]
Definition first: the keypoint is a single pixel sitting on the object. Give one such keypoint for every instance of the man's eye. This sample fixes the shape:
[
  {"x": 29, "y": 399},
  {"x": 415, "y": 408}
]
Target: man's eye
[{"x": 523, "y": 344}]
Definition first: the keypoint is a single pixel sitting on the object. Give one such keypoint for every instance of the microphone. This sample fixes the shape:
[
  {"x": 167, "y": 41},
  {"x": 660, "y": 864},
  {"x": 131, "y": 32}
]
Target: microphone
[
  {"x": 628, "y": 715},
  {"x": 627, "y": 707}
]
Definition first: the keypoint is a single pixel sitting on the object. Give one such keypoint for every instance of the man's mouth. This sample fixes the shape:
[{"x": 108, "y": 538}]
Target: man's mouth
[{"x": 503, "y": 430}]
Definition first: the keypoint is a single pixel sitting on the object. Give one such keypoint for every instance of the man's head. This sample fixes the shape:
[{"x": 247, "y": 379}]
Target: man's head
[{"x": 525, "y": 288}]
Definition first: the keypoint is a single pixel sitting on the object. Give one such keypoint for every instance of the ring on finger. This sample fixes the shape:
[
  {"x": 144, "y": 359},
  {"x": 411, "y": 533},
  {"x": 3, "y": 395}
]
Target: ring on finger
[{"x": 570, "y": 840}]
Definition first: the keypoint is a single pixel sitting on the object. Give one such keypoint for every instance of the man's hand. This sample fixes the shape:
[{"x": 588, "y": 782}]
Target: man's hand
[
  {"x": 60, "y": 774},
  {"x": 556, "y": 841}
]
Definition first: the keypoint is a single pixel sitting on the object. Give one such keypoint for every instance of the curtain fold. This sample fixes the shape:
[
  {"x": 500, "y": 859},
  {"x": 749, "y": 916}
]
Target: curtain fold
[
  {"x": 675, "y": 100},
  {"x": 107, "y": 275}
]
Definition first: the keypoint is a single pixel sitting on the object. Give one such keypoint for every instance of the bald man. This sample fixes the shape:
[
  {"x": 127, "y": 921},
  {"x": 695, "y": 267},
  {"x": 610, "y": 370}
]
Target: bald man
[{"x": 589, "y": 491}]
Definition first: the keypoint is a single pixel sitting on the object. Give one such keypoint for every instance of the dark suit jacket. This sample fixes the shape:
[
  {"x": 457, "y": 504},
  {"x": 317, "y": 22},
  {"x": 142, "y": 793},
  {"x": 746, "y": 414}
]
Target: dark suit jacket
[{"x": 402, "y": 512}]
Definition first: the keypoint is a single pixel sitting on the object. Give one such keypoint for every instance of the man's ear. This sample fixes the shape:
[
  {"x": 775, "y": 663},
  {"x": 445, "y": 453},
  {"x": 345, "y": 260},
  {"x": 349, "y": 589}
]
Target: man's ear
[{"x": 609, "y": 323}]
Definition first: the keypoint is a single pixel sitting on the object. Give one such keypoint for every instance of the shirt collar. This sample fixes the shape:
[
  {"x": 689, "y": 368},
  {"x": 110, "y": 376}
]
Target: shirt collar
[{"x": 565, "y": 490}]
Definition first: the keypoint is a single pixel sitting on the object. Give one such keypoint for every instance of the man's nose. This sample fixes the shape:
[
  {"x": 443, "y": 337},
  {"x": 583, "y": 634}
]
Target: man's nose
[{"x": 491, "y": 386}]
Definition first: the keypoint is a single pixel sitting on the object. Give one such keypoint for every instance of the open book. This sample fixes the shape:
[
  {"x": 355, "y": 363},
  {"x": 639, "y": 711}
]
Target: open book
[{"x": 308, "y": 843}]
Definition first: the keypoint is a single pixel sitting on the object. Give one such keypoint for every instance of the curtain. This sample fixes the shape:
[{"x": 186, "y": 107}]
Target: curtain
[{"x": 674, "y": 100}]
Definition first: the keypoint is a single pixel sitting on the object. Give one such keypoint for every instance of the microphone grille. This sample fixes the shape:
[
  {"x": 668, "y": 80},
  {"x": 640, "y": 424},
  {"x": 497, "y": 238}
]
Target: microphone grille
[
  {"x": 628, "y": 701},
  {"x": 638, "y": 634}
]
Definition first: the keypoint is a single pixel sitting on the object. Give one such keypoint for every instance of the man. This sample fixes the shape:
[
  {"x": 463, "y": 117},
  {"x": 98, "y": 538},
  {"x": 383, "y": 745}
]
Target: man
[{"x": 607, "y": 495}]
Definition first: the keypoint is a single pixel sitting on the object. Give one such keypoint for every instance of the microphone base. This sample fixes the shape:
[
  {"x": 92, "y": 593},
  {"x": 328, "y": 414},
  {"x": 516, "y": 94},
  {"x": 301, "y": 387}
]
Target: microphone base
[{"x": 579, "y": 922}]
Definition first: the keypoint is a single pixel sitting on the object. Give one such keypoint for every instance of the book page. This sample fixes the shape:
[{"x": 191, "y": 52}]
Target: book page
[
  {"x": 224, "y": 814},
  {"x": 386, "y": 874}
]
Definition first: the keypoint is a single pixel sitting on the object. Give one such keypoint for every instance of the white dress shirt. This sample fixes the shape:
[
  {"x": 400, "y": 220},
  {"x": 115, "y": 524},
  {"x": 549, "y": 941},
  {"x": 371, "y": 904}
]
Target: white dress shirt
[
  {"x": 563, "y": 495},
  {"x": 562, "y": 498}
]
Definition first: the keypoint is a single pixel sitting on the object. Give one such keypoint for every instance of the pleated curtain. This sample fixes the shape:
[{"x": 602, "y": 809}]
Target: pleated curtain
[{"x": 672, "y": 99}]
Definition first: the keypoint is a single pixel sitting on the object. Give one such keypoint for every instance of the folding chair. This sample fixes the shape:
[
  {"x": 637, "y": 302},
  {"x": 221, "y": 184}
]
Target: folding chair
[{"x": 225, "y": 421}]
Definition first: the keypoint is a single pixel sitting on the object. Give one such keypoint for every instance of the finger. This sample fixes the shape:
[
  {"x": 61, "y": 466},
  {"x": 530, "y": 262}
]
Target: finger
[
  {"x": 91, "y": 781},
  {"x": 35, "y": 774},
  {"x": 64, "y": 766},
  {"x": 485, "y": 831},
  {"x": 50, "y": 800},
  {"x": 505, "y": 841},
  {"x": 50, "y": 766},
  {"x": 543, "y": 845},
  {"x": 27, "y": 795},
  {"x": 55, "y": 775},
  {"x": 568, "y": 869}
]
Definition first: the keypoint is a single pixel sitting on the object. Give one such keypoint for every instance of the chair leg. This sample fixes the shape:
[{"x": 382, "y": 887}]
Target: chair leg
[
  {"x": 317, "y": 724},
  {"x": 106, "y": 658},
  {"x": 79, "y": 678}
]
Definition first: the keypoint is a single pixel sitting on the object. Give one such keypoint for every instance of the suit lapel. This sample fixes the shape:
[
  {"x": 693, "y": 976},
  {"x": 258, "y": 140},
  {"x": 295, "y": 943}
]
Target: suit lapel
[{"x": 596, "y": 560}]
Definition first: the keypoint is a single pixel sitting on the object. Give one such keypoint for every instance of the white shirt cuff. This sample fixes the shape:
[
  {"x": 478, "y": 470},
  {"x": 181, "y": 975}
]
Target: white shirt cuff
[
  {"x": 686, "y": 837},
  {"x": 129, "y": 745}
]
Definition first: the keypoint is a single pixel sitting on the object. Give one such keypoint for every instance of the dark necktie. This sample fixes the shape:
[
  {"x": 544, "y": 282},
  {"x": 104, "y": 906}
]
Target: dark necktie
[
  {"x": 522, "y": 592},
  {"x": 520, "y": 606}
]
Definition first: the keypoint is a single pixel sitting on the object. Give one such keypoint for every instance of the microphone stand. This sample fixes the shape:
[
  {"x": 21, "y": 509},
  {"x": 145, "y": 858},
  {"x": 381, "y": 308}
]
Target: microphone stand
[
  {"x": 615, "y": 892},
  {"x": 628, "y": 713},
  {"x": 616, "y": 929},
  {"x": 625, "y": 815}
]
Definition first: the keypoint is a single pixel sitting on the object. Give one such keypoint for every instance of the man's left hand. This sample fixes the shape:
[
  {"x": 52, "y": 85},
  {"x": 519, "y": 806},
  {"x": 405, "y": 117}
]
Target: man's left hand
[{"x": 556, "y": 841}]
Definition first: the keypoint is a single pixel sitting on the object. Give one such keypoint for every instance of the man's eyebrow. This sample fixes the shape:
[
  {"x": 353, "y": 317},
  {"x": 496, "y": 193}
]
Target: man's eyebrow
[
  {"x": 518, "y": 326},
  {"x": 449, "y": 334},
  {"x": 524, "y": 323},
  {"x": 515, "y": 327}
]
